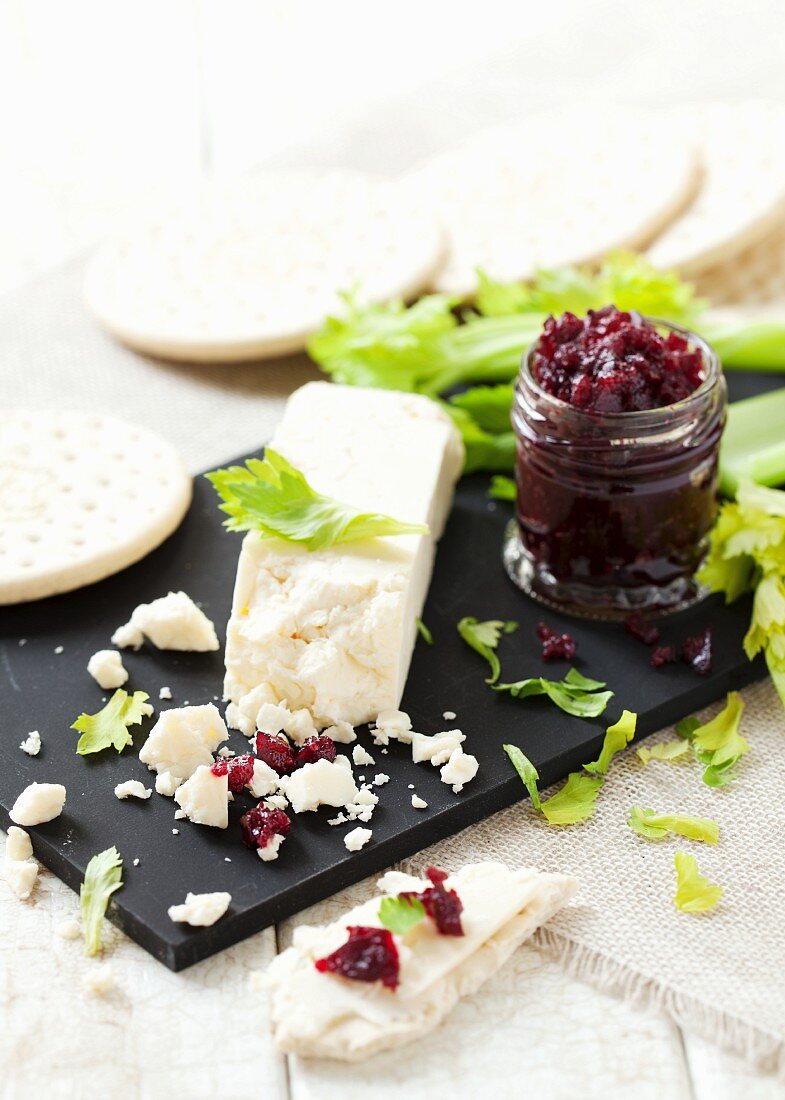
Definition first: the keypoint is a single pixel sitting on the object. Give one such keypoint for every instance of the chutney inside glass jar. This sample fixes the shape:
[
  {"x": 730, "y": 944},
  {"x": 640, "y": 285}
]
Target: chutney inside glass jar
[{"x": 618, "y": 420}]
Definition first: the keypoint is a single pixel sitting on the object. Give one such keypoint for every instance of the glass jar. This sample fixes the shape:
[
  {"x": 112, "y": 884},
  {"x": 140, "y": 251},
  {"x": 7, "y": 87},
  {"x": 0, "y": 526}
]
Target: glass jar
[{"x": 614, "y": 509}]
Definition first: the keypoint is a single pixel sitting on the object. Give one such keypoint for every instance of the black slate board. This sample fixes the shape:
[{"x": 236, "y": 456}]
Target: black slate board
[{"x": 42, "y": 690}]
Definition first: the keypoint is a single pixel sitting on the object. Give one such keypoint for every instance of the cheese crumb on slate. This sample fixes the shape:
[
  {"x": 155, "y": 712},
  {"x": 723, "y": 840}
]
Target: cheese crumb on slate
[
  {"x": 204, "y": 798},
  {"x": 166, "y": 784},
  {"x": 323, "y": 783},
  {"x": 106, "y": 668},
  {"x": 165, "y": 692},
  {"x": 270, "y": 849},
  {"x": 59, "y": 649},
  {"x": 32, "y": 743},
  {"x": 449, "y": 716},
  {"x": 357, "y": 838},
  {"x": 419, "y": 803},
  {"x": 436, "y": 749},
  {"x": 201, "y": 910},
  {"x": 392, "y": 725},
  {"x": 361, "y": 757},
  {"x": 380, "y": 779},
  {"x": 341, "y": 732},
  {"x": 182, "y": 739},
  {"x": 460, "y": 769},
  {"x": 19, "y": 869},
  {"x": 38, "y": 803},
  {"x": 171, "y": 622},
  {"x": 132, "y": 788}
]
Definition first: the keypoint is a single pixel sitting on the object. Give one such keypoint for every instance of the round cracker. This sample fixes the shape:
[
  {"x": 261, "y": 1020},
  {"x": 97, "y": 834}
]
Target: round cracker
[
  {"x": 250, "y": 270},
  {"x": 555, "y": 189},
  {"x": 743, "y": 195},
  {"x": 81, "y": 497}
]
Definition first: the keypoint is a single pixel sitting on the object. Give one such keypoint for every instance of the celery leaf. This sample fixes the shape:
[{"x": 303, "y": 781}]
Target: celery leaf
[
  {"x": 694, "y": 893},
  {"x": 108, "y": 727},
  {"x": 527, "y": 771},
  {"x": 654, "y": 826},
  {"x": 484, "y": 638},
  {"x": 574, "y": 802},
  {"x": 102, "y": 877}
]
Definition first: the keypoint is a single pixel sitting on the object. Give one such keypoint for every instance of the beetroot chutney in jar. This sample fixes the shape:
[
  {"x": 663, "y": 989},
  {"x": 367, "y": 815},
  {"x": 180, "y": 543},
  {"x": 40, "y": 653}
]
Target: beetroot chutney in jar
[{"x": 618, "y": 421}]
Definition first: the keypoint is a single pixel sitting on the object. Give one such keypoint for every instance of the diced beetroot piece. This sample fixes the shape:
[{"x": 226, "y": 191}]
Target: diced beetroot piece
[
  {"x": 641, "y": 629},
  {"x": 369, "y": 955},
  {"x": 276, "y": 753},
  {"x": 696, "y": 652},
  {"x": 613, "y": 361},
  {"x": 663, "y": 655},
  {"x": 261, "y": 823},
  {"x": 443, "y": 906},
  {"x": 316, "y": 748},
  {"x": 238, "y": 768},
  {"x": 556, "y": 646}
]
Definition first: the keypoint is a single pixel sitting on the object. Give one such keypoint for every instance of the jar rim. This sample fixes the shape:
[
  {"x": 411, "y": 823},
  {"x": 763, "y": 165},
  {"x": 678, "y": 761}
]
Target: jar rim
[{"x": 643, "y": 417}]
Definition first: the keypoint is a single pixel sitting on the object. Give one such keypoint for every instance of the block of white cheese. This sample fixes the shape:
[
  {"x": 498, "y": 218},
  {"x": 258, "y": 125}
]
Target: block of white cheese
[
  {"x": 333, "y": 630},
  {"x": 326, "y": 1016}
]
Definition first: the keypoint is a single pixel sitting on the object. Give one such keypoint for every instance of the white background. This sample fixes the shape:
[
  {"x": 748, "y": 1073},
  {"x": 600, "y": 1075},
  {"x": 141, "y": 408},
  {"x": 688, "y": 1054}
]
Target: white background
[{"x": 104, "y": 108}]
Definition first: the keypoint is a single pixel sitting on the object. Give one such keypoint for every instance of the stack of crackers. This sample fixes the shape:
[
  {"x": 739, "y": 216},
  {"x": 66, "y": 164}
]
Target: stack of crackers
[{"x": 251, "y": 270}]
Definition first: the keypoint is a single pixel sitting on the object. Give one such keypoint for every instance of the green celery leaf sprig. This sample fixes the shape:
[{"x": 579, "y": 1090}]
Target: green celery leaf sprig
[
  {"x": 645, "y": 822},
  {"x": 272, "y": 497},
  {"x": 575, "y": 801},
  {"x": 103, "y": 876},
  {"x": 108, "y": 727},
  {"x": 718, "y": 744},
  {"x": 575, "y": 694},
  {"x": 401, "y": 912},
  {"x": 747, "y": 553},
  {"x": 694, "y": 893},
  {"x": 484, "y": 639}
]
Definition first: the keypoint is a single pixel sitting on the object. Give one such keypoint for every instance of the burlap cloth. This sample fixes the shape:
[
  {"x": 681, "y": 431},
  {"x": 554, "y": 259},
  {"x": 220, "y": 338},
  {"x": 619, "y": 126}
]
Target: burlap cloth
[{"x": 723, "y": 973}]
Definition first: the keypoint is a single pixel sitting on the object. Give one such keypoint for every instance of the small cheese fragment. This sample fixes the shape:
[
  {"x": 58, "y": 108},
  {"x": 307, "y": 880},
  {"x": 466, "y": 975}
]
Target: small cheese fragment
[
  {"x": 204, "y": 798},
  {"x": 99, "y": 981},
  {"x": 106, "y": 668},
  {"x": 21, "y": 876},
  {"x": 18, "y": 846},
  {"x": 323, "y": 783},
  {"x": 333, "y": 630},
  {"x": 419, "y": 803},
  {"x": 270, "y": 850},
  {"x": 68, "y": 930},
  {"x": 357, "y": 838},
  {"x": 165, "y": 692},
  {"x": 361, "y": 809},
  {"x": 182, "y": 739},
  {"x": 380, "y": 779},
  {"x": 32, "y": 743},
  {"x": 201, "y": 910},
  {"x": 170, "y": 622},
  {"x": 459, "y": 770},
  {"x": 166, "y": 784},
  {"x": 392, "y": 725},
  {"x": 437, "y": 749},
  {"x": 361, "y": 757},
  {"x": 325, "y": 1016},
  {"x": 132, "y": 788},
  {"x": 264, "y": 780},
  {"x": 38, "y": 803},
  {"x": 449, "y": 716},
  {"x": 342, "y": 733}
]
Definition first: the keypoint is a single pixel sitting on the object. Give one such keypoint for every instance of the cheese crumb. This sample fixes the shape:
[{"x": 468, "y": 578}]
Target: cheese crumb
[
  {"x": 18, "y": 845},
  {"x": 459, "y": 770},
  {"x": 270, "y": 849},
  {"x": 357, "y": 838},
  {"x": 204, "y": 798},
  {"x": 323, "y": 783},
  {"x": 38, "y": 803},
  {"x": 392, "y": 725},
  {"x": 58, "y": 649},
  {"x": 68, "y": 930},
  {"x": 341, "y": 732},
  {"x": 419, "y": 803},
  {"x": 132, "y": 788},
  {"x": 166, "y": 784},
  {"x": 200, "y": 910},
  {"x": 361, "y": 757},
  {"x": 449, "y": 716},
  {"x": 21, "y": 875},
  {"x": 106, "y": 668},
  {"x": 137, "y": 861},
  {"x": 32, "y": 743},
  {"x": 100, "y": 982},
  {"x": 437, "y": 749},
  {"x": 380, "y": 779},
  {"x": 165, "y": 692},
  {"x": 171, "y": 622},
  {"x": 182, "y": 739}
]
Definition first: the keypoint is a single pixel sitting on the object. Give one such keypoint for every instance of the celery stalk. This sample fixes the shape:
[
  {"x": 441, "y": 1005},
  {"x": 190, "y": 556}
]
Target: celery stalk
[
  {"x": 753, "y": 445},
  {"x": 746, "y": 339}
]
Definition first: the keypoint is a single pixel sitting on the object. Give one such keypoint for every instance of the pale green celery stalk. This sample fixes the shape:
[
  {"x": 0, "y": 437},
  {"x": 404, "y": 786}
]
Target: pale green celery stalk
[
  {"x": 486, "y": 349},
  {"x": 753, "y": 445},
  {"x": 746, "y": 339}
]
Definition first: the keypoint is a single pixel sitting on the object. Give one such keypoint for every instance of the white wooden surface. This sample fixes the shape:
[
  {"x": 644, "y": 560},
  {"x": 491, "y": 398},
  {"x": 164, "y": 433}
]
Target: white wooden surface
[{"x": 105, "y": 108}]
